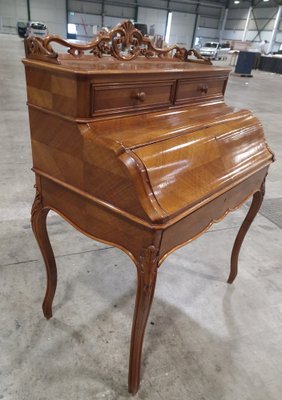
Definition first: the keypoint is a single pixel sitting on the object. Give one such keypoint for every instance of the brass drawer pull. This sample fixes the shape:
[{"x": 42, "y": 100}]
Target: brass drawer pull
[
  {"x": 140, "y": 96},
  {"x": 204, "y": 88}
]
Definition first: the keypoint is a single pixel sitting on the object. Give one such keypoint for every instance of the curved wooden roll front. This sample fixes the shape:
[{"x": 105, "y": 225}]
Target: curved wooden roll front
[{"x": 144, "y": 155}]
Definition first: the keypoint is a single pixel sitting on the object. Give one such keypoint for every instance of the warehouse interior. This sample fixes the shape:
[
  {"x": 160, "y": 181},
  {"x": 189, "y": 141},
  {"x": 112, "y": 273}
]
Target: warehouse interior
[
  {"x": 222, "y": 20},
  {"x": 205, "y": 339}
]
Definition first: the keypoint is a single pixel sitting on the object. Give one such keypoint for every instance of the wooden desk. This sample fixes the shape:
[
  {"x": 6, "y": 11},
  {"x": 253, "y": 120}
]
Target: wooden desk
[{"x": 135, "y": 147}]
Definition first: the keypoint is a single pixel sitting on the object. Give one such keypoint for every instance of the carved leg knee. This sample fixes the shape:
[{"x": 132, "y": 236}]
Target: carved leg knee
[
  {"x": 38, "y": 222},
  {"x": 147, "y": 274}
]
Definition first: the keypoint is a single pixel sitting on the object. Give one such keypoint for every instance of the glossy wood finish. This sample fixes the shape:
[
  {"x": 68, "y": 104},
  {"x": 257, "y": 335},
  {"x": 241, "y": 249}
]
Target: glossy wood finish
[
  {"x": 124, "y": 42},
  {"x": 147, "y": 275},
  {"x": 144, "y": 155},
  {"x": 38, "y": 223},
  {"x": 197, "y": 90},
  {"x": 131, "y": 97},
  {"x": 254, "y": 209}
]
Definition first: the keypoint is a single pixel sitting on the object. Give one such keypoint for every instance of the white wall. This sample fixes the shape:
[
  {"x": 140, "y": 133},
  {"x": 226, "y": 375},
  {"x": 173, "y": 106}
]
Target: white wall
[
  {"x": 110, "y": 22},
  {"x": 209, "y": 23},
  {"x": 52, "y": 13},
  {"x": 262, "y": 21},
  {"x": 119, "y": 12},
  {"x": 279, "y": 35},
  {"x": 153, "y": 17},
  {"x": 182, "y": 27},
  {"x": 84, "y": 24},
  {"x": 87, "y": 14},
  {"x": 83, "y": 7},
  {"x": 208, "y": 29},
  {"x": 235, "y": 23},
  {"x": 261, "y": 18},
  {"x": 12, "y": 11}
]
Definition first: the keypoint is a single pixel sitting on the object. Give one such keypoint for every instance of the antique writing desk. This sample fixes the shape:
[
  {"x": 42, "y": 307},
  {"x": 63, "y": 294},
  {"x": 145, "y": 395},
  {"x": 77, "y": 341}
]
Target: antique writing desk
[{"x": 135, "y": 147}]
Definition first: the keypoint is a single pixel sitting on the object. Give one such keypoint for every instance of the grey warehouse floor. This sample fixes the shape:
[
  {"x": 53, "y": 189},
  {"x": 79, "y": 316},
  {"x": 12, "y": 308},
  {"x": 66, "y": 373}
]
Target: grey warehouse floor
[{"x": 206, "y": 340}]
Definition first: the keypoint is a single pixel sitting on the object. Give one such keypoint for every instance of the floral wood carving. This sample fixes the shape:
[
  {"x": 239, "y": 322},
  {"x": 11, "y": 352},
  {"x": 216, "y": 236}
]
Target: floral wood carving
[
  {"x": 148, "y": 264},
  {"x": 37, "y": 203},
  {"x": 123, "y": 42},
  {"x": 35, "y": 48}
]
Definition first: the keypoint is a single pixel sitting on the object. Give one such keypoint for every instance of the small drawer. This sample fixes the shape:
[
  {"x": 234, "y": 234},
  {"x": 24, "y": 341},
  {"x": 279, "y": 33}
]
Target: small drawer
[
  {"x": 122, "y": 97},
  {"x": 197, "y": 90}
]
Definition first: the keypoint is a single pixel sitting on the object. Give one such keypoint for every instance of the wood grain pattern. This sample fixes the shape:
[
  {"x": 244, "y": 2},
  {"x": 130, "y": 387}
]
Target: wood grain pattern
[
  {"x": 38, "y": 223},
  {"x": 194, "y": 224},
  {"x": 143, "y": 155},
  {"x": 122, "y": 97},
  {"x": 254, "y": 209},
  {"x": 197, "y": 90},
  {"x": 146, "y": 274}
]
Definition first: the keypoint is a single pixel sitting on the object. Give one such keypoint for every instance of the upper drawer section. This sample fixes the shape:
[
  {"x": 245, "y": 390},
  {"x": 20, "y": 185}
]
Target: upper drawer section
[
  {"x": 199, "y": 89},
  {"x": 121, "y": 97}
]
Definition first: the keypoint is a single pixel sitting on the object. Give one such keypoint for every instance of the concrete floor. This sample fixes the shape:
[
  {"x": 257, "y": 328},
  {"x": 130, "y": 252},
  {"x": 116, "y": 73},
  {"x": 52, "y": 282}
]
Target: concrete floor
[{"x": 206, "y": 340}]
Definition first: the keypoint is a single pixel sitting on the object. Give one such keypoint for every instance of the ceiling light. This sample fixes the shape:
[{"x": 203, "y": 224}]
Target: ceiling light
[{"x": 236, "y": 1}]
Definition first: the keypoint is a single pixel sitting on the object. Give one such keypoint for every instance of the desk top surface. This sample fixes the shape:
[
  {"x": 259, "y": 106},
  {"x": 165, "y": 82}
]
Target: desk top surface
[{"x": 87, "y": 64}]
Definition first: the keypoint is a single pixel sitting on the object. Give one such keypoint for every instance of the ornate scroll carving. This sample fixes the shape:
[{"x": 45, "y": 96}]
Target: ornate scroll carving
[
  {"x": 123, "y": 42},
  {"x": 37, "y": 203},
  {"x": 35, "y": 48},
  {"x": 148, "y": 266}
]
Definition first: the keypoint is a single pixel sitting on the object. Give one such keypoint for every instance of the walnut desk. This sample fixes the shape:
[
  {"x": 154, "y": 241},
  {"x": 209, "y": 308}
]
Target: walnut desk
[{"x": 135, "y": 147}]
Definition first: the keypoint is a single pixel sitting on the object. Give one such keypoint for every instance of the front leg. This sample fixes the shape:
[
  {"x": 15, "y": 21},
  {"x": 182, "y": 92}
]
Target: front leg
[
  {"x": 38, "y": 223},
  {"x": 146, "y": 275},
  {"x": 254, "y": 208}
]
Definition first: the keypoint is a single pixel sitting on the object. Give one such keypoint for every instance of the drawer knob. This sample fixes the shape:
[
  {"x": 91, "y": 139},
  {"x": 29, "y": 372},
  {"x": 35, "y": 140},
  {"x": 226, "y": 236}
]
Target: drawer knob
[
  {"x": 140, "y": 96},
  {"x": 204, "y": 88}
]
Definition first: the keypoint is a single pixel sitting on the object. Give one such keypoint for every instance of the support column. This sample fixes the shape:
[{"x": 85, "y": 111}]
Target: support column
[
  {"x": 136, "y": 11},
  {"x": 67, "y": 17},
  {"x": 196, "y": 24},
  {"x": 103, "y": 13},
  {"x": 223, "y": 24},
  {"x": 166, "y": 22},
  {"x": 247, "y": 23},
  {"x": 275, "y": 28},
  {"x": 28, "y": 10}
]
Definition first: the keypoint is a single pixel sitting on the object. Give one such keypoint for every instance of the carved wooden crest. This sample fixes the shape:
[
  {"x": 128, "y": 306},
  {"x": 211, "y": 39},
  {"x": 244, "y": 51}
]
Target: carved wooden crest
[{"x": 124, "y": 42}]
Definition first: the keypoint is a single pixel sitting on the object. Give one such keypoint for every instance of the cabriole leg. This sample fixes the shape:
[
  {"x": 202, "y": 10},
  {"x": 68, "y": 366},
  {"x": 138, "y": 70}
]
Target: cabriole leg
[
  {"x": 254, "y": 208},
  {"x": 38, "y": 222},
  {"x": 147, "y": 274}
]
